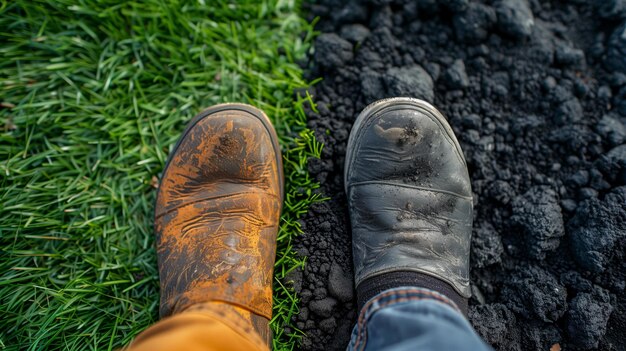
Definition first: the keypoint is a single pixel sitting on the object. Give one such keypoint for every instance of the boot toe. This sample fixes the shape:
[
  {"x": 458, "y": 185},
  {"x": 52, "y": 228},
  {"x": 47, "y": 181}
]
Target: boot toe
[
  {"x": 409, "y": 144},
  {"x": 217, "y": 154}
]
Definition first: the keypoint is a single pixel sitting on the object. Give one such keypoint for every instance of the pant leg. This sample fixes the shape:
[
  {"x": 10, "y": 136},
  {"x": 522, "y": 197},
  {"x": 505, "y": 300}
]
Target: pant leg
[
  {"x": 409, "y": 318},
  {"x": 212, "y": 326}
]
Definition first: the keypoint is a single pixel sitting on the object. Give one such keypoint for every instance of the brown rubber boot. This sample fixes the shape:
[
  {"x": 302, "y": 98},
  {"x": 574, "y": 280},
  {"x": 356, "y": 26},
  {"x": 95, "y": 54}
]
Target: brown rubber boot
[{"x": 217, "y": 214}]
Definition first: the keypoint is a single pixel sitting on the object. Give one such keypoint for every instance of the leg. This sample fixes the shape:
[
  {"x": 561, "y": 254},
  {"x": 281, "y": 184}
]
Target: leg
[
  {"x": 212, "y": 326},
  {"x": 216, "y": 221},
  {"x": 410, "y": 204},
  {"x": 408, "y": 318}
]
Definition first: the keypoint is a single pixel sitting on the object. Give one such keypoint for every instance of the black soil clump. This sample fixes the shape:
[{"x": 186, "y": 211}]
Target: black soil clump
[{"x": 536, "y": 93}]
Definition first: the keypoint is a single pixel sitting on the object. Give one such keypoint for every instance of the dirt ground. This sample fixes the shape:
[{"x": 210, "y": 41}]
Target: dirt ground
[{"x": 536, "y": 93}]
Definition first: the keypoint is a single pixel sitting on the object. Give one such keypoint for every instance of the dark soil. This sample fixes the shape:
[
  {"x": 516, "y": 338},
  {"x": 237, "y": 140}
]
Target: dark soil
[{"x": 536, "y": 93}]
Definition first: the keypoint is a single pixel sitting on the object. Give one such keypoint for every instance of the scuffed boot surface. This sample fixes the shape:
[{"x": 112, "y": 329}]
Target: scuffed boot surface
[
  {"x": 409, "y": 194},
  {"x": 217, "y": 212}
]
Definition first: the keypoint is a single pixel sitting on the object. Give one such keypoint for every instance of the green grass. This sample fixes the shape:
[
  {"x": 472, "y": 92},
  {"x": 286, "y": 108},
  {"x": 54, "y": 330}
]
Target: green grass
[{"x": 93, "y": 96}]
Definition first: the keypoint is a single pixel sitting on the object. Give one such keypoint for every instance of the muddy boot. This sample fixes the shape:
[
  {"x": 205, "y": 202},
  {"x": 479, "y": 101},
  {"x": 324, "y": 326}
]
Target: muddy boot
[
  {"x": 216, "y": 218},
  {"x": 410, "y": 201}
]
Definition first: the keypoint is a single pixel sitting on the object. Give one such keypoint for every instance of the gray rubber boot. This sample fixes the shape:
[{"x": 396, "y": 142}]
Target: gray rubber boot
[{"x": 409, "y": 195}]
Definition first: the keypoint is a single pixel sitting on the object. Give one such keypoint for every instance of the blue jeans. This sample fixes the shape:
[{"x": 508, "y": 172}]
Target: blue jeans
[{"x": 410, "y": 318}]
